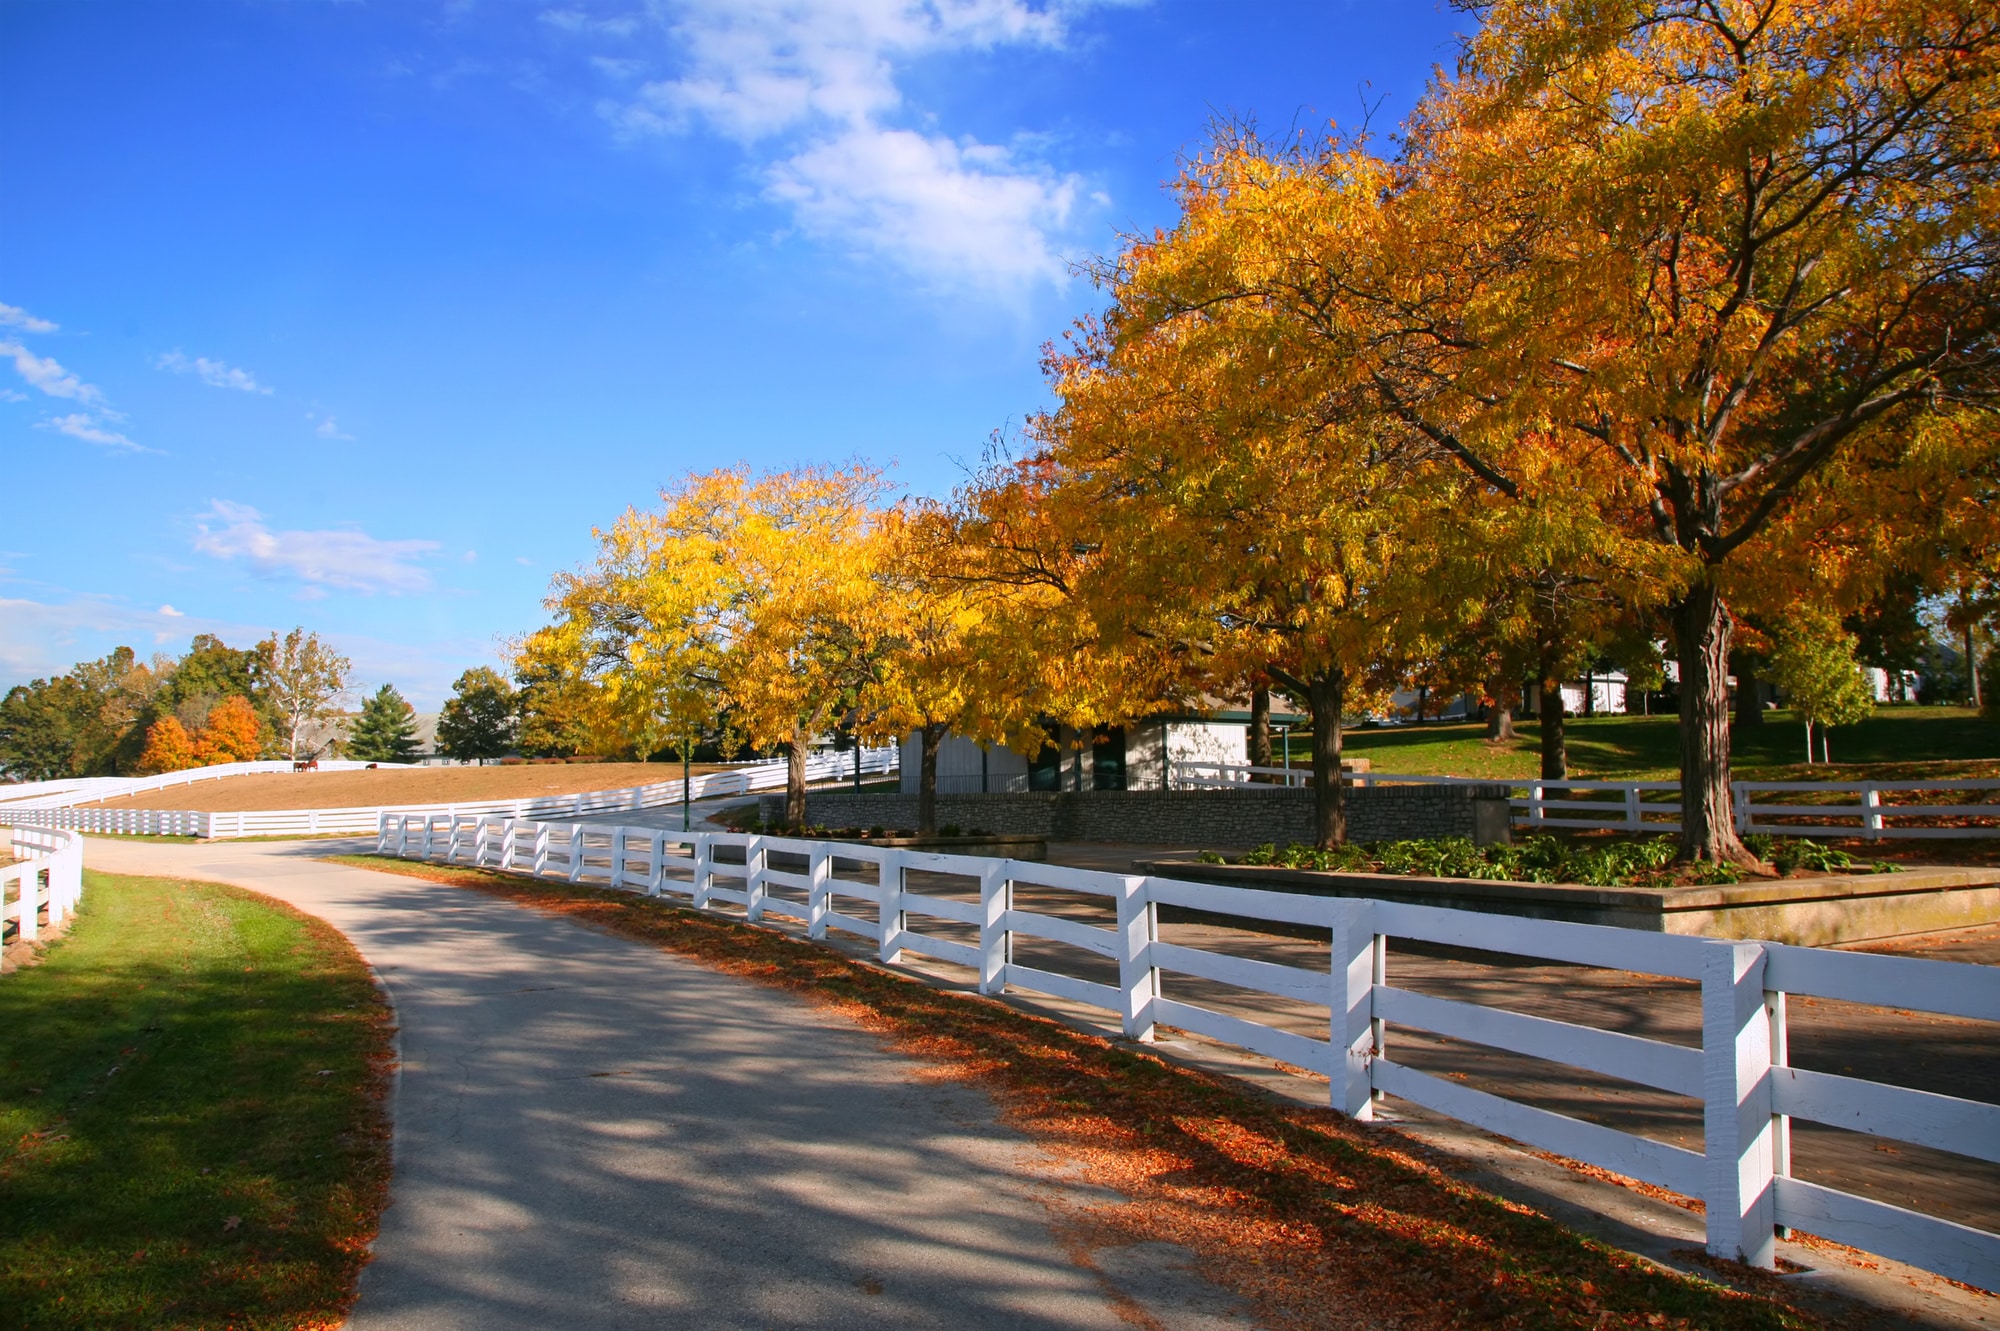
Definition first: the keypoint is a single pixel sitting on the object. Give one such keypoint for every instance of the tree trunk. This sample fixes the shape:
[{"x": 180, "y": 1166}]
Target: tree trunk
[
  {"x": 1702, "y": 629},
  {"x": 1809, "y": 748},
  {"x": 1260, "y": 729},
  {"x": 1972, "y": 669},
  {"x": 932, "y": 735},
  {"x": 1327, "y": 696},
  {"x": 1500, "y": 717},
  {"x": 1749, "y": 706},
  {"x": 795, "y": 784},
  {"x": 1555, "y": 745}
]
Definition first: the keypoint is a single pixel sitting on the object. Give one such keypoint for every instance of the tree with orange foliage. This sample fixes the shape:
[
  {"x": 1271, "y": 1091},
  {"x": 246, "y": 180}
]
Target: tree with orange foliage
[
  {"x": 234, "y": 733},
  {"x": 168, "y": 748}
]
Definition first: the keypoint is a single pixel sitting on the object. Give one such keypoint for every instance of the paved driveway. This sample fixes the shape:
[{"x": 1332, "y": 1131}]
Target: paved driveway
[{"x": 591, "y": 1133}]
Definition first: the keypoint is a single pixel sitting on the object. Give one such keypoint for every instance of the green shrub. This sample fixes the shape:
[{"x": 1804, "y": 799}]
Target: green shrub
[{"x": 1538, "y": 859}]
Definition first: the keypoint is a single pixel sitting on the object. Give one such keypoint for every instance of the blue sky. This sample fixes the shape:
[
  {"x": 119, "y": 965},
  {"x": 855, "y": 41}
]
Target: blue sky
[{"x": 361, "y": 315}]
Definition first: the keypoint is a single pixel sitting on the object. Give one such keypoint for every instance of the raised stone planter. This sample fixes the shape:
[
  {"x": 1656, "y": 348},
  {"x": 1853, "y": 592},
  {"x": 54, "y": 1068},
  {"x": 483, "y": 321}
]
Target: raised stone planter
[
  {"x": 1239, "y": 818},
  {"x": 1812, "y": 912},
  {"x": 1000, "y": 847}
]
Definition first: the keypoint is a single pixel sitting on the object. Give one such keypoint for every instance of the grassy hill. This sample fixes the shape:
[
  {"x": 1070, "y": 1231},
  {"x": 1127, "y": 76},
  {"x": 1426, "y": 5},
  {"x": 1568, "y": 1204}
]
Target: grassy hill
[{"x": 1896, "y": 743}]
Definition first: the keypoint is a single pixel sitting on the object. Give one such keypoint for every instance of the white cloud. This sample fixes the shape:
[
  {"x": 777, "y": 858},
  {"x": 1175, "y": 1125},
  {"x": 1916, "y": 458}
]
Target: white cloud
[
  {"x": 42, "y": 639},
  {"x": 962, "y": 214},
  {"x": 214, "y": 373},
  {"x": 169, "y": 612},
  {"x": 810, "y": 87},
  {"x": 346, "y": 559},
  {"x": 327, "y": 429},
  {"x": 42, "y": 372},
  {"x": 575, "y": 20},
  {"x": 10, "y": 395},
  {"x": 13, "y": 316},
  {"x": 92, "y": 430}
]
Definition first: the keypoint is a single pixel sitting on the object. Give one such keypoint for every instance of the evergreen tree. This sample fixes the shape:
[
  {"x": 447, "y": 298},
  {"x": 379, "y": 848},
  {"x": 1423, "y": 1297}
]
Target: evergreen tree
[
  {"x": 386, "y": 730},
  {"x": 478, "y": 720}
]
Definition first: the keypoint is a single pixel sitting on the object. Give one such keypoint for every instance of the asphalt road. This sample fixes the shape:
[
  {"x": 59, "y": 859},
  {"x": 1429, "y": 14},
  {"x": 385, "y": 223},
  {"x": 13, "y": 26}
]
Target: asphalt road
[{"x": 590, "y": 1133}]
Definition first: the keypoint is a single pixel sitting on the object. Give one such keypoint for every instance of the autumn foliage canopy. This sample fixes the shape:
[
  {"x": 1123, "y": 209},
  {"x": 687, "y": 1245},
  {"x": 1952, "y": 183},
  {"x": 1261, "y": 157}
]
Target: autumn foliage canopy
[{"x": 1662, "y": 321}]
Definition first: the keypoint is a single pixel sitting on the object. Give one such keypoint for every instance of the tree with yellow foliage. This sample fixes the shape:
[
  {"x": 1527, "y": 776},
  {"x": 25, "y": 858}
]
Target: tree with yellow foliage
[
  {"x": 753, "y": 594},
  {"x": 941, "y": 650},
  {"x": 1670, "y": 271},
  {"x": 1234, "y": 512}
]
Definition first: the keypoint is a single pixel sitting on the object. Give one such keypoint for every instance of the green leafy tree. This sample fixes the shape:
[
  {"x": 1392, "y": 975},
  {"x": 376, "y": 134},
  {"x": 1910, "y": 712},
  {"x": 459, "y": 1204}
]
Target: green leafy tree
[
  {"x": 386, "y": 730},
  {"x": 40, "y": 723},
  {"x": 478, "y": 720},
  {"x": 1813, "y": 661}
]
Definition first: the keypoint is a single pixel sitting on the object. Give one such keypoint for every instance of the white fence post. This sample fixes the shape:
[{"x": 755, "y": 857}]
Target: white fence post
[
  {"x": 996, "y": 943},
  {"x": 541, "y": 849},
  {"x": 30, "y": 878},
  {"x": 1739, "y": 796},
  {"x": 819, "y": 877},
  {"x": 1871, "y": 811},
  {"x": 755, "y": 858},
  {"x": 1138, "y": 979},
  {"x": 576, "y": 844},
  {"x": 1632, "y": 819},
  {"x": 1536, "y": 813},
  {"x": 1353, "y": 1025},
  {"x": 704, "y": 868},
  {"x": 1781, "y": 1056},
  {"x": 890, "y": 875},
  {"x": 1737, "y": 1131},
  {"x": 656, "y": 862}
]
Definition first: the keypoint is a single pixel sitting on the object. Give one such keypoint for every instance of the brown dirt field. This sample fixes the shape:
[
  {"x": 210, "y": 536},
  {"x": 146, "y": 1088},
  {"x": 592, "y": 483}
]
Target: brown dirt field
[{"x": 420, "y": 785}]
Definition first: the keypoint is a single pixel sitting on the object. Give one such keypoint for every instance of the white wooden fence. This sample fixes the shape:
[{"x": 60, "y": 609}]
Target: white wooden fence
[
  {"x": 1654, "y": 806},
  {"x": 740, "y": 780},
  {"x": 47, "y": 878},
  {"x": 1740, "y": 1072},
  {"x": 95, "y": 789}
]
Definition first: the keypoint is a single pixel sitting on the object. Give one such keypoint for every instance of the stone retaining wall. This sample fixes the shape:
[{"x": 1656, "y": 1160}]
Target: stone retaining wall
[{"x": 1233, "y": 818}]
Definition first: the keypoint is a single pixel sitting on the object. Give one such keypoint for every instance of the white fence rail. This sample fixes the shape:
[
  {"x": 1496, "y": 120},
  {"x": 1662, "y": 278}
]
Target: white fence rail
[
  {"x": 1654, "y": 806},
  {"x": 1739, "y": 1073},
  {"x": 323, "y": 822},
  {"x": 47, "y": 881}
]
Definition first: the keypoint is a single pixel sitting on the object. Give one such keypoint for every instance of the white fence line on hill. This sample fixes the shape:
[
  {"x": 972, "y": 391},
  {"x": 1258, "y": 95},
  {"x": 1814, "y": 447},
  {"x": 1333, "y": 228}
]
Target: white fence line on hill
[
  {"x": 48, "y": 878},
  {"x": 767, "y": 775},
  {"x": 1740, "y": 1072},
  {"x": 94, "y": 789},
  {"x": 1654, "y": 806}
]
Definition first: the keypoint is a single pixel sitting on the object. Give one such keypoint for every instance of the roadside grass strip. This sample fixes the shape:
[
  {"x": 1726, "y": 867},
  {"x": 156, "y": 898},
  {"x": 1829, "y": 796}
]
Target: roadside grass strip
[
  {"x": 192, "y": 1121},
  {"x": 1316, "y": 1220}
]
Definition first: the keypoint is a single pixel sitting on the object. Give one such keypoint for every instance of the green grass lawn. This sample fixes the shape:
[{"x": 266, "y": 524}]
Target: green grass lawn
[
  {"x": 191, "y": 1093},
  {"x": 1895, "y": 743}
]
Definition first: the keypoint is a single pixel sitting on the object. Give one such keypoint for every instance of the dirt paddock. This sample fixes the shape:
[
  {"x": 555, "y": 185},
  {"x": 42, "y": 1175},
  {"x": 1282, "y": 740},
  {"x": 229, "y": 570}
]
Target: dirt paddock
[{"x": 418, "y": 785}]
